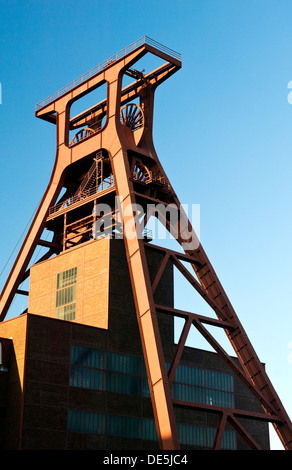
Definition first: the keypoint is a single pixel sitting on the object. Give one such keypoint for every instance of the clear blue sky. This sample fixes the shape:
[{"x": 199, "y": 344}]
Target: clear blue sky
[{"x": 223, "y": 131}]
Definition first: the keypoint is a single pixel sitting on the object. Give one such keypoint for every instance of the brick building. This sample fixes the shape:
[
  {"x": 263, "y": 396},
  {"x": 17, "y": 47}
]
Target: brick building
[{"x": 73, "y": 375}]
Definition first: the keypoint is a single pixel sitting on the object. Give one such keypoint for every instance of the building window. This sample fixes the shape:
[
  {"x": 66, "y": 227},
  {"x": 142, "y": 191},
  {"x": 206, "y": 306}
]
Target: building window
[
  {"x": 126, "y": 426},
  {"x": 203, "y": 386},
  {"x": 88, "y": 368},
  {"x": 111, "y": 425},
  {"x": 66, "y": 294},
  {"x": 86, "y": 422},
  {"x": 123, "y": 373},
  {"x": 144, "y": 428},
  {"x": 101, "y": 370}
]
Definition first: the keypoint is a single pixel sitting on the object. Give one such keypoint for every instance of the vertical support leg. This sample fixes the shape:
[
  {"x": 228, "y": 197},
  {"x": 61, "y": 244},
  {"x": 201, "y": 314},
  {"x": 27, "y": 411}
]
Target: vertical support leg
[{"x": 145, "y": 308}]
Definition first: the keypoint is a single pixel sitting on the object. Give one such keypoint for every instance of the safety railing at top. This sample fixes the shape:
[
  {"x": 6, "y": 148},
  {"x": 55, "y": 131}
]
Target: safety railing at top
[{"x": 105, "y": 63}]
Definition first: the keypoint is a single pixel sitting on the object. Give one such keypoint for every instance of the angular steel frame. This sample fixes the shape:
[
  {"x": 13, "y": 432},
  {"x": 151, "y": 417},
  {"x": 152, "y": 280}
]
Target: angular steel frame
[{"x": 118, "y": 141}]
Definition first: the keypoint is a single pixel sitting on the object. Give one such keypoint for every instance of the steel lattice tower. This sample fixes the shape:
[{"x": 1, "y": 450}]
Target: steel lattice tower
[{"x": 113, "y": 150}]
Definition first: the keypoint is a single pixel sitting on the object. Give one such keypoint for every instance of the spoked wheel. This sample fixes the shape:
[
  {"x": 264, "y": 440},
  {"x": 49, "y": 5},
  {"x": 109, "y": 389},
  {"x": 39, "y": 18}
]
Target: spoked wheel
[
  {"x": 132, "y": 116},
  {"x": 141, "y": 173},
  {"x": 81, "y": 135}
]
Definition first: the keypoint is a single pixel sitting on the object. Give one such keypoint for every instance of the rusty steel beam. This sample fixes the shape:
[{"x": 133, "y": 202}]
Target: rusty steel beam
[
  {"x": 22, "y": 292},
  {"x": 244, "y": 434},
  {"x": 53, "y": 246},
  {"x": 229, "y": 415},
  {"x": 146, "y": 313},
  {"x": 195, "y": 317},
  {"x": 253, "y": 415},
  {"x": 220, "y": 431},
  {"x": 179, "y": 349},
  {"x": 128, "y": 94},
  {"x": 197, "y": 321}
]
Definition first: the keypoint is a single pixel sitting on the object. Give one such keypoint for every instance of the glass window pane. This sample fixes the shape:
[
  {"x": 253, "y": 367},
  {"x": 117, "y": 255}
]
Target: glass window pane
[
  {"x": 87, "y": 422},
  {"x": 149, "y": 430},
  {"x": 124, "y": 363},
  {"x": 66, "y": 294}
]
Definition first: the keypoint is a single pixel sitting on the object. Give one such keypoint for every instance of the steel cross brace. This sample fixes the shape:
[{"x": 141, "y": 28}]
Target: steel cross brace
[{"x": 255, "y": 378}]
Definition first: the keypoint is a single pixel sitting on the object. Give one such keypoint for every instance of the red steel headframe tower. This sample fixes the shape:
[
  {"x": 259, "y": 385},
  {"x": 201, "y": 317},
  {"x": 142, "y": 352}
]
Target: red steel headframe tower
[{"x": 113, "y": 141}]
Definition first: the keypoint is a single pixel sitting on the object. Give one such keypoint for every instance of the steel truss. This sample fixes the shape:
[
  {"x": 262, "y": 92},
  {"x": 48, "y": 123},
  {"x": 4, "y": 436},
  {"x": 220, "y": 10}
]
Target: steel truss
[{"x": 139, "y": 179}]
